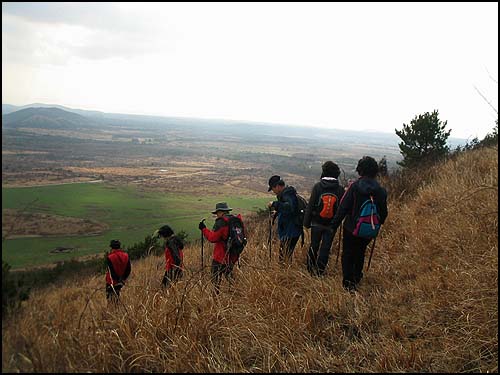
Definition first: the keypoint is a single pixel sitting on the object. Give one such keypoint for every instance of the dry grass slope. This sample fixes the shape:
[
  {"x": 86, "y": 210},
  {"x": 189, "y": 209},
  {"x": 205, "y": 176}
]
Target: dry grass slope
[{"x": 429, "y": 302}]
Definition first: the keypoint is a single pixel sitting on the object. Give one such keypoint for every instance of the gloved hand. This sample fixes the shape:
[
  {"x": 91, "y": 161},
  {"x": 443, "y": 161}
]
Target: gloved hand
[{"x": 201, "y": 225}]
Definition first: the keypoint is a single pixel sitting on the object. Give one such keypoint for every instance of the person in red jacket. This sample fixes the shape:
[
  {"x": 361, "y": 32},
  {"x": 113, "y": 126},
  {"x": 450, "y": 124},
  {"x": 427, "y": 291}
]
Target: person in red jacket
[
  {"x": 222, "y": 262},
  {"x": 173, "y": 255},
  {"x": 118, "y": 270}
]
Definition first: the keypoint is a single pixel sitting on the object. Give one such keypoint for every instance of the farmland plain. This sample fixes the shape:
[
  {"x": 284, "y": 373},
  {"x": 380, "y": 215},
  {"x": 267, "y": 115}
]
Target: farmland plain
[
  {"x": 128, "y": 213},
  {"x": 73, "y": 181}
]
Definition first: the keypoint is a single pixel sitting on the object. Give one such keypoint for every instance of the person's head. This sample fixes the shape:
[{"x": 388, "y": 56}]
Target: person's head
[
  {"x": 221, "y": 209},
  {"x": 165, "y": 231},
  {"x": 367, "y": 167},
  {"x": 330, "y": 169},
  {"x": 115, "y": 244},
  {"x": 276, "y": 184}
]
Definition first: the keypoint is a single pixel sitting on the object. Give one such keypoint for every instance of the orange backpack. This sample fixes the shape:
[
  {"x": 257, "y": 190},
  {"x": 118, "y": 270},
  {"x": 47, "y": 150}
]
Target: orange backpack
[{"x": 327, "y": 205}]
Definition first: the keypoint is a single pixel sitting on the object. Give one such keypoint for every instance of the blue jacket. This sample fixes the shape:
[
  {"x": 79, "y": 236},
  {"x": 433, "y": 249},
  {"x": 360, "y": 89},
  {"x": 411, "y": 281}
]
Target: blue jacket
[{"x": 286, "y": 207}]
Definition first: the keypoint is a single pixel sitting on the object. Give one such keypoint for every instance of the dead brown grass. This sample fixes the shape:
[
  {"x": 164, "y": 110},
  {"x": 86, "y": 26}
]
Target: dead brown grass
[
  {"x": 429, "y": 302},
  {"x": 26, "y": 224}
]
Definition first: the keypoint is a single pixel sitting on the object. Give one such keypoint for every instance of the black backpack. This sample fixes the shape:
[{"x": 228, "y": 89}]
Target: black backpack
[
  {"x": 301, "y": 212},
  {"x": 301, "y": 209},
  {"x": 236, "y": 240}
]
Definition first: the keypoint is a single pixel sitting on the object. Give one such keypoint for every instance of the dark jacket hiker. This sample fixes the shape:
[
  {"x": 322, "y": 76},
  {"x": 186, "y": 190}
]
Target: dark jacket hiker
[
  {"x": 357, "y": 193},
  {"x": 286, "y": 206},
  {"x": 118, "y": 269},
  {"x": 360, "y": 191},
  {"x": 323, "y": 204}
]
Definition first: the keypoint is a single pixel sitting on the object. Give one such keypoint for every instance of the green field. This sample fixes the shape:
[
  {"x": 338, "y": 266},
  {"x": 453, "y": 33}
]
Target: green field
[{"x": 130, "y": 213}]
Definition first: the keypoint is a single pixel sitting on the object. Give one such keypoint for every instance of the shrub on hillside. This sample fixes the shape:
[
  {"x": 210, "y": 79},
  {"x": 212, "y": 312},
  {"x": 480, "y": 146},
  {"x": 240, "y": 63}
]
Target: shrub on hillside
[
  {"x": 490, "y": 140},
  {"x": 424, "y": 140},
  {"x": 13, "y": 289},
  {"x": 150, "y": 245}
]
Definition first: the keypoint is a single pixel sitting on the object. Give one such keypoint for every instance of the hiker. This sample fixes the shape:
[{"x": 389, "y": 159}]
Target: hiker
[
  {"x": 222, "y": 261},
  {"x": 354, "y": 246},
  {"x": 173, "y": 255},
  {"x": 286, "y": 207},
  {"x": 323, "y": 203},
  {"x": 118, "y": 270}
]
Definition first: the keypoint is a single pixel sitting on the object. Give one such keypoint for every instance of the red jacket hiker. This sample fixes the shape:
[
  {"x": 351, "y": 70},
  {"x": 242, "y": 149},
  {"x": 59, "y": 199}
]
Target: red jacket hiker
[
  {"x": 118, "y": 263},
  {"x": 222, "y": 261},
  {"x": 174, "y": 257},
  {"x": 118, "y": 269},
  {"x": 219, "y": 236}
]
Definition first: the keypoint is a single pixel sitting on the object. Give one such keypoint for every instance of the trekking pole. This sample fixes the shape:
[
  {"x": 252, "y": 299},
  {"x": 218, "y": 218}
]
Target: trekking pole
[
  {"x": 202, "y": 266},
  {"x": 338, "y": 251},
  {"x": 270, "y": 239},
  {"x": 371, "y": 253},
  {"x": 113, "y": 285},
  {"x": 111, "y": 278}
]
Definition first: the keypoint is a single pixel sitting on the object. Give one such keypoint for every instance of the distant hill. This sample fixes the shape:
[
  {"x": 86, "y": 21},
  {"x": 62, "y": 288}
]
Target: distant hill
[
  {"x": 46, "y": 118},
  {"x": 9, "y": 108},
  {"x": 249, "y": 130}
]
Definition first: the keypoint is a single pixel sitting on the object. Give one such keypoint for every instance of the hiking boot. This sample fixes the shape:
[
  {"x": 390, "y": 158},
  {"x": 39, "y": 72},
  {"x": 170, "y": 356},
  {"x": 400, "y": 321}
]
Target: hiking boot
[{"x": 349, "y": 286}]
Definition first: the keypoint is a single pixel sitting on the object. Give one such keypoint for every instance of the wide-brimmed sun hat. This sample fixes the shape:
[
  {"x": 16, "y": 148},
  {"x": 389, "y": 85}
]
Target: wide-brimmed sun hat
[{"x": 222, "y": 206}]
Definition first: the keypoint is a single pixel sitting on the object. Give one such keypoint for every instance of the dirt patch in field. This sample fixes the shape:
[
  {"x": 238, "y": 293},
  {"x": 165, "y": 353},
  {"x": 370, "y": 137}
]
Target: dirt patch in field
[
  {"x": 8, "y": 152},
  {"x": 25, "y": 224}
]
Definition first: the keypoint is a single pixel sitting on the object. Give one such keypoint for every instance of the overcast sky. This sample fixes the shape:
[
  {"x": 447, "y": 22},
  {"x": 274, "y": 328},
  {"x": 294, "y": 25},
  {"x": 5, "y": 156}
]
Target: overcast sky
[{"x": 337, "y": 65}]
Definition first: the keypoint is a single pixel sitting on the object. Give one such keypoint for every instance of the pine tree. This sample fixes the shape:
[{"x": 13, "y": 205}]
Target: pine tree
[
  {"x": 382, "y": 167},
  {"x": 423, "y": 140}
]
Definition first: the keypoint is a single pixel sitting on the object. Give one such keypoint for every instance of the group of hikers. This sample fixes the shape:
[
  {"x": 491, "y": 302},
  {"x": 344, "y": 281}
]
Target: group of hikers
[{"x": 361, "y": 206}]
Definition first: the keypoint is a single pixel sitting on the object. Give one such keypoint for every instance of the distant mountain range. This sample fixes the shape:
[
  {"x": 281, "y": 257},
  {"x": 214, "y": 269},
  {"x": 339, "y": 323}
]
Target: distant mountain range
[{"x": 52, "y": 116}]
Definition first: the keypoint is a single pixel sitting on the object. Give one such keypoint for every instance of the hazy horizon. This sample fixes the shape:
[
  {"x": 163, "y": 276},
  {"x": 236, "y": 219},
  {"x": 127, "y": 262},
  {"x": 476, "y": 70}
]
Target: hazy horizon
[
  {"x": 330, "y": 65},
  {"x": 201, "y": 118}
]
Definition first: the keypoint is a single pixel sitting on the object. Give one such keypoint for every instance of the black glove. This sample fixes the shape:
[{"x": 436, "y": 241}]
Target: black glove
[{"x": 201, "y": 225}]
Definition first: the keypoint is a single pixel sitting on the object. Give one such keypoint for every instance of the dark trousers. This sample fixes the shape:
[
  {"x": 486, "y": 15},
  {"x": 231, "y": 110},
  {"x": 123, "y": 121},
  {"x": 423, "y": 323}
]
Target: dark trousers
[
  {"x": 171, "y": 276},
  {"x": 287, "y": 246},
  {"x": 353, "y": 259},
  {"x": 219, "y": 269},
  {"x": 113, "y": 292},
  {"x": 319, "y": 251}
]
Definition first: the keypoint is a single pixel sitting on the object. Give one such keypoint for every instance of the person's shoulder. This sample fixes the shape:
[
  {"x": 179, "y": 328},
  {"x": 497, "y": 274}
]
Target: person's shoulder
[
  {"x": 382, "y": 189},
  {"x": 340, "y": 189},
  {"x": 220, "y": 222},
  {"x": 174, "y": 241}
]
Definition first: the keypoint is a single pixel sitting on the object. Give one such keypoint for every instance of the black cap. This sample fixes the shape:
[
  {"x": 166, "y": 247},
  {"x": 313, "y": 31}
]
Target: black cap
[
  {"x": 273, "y": 181},
  {"x": 221, "y": 207},
  {"x": 115, "y": 244},
  {"x": 165, "y": 231}
]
